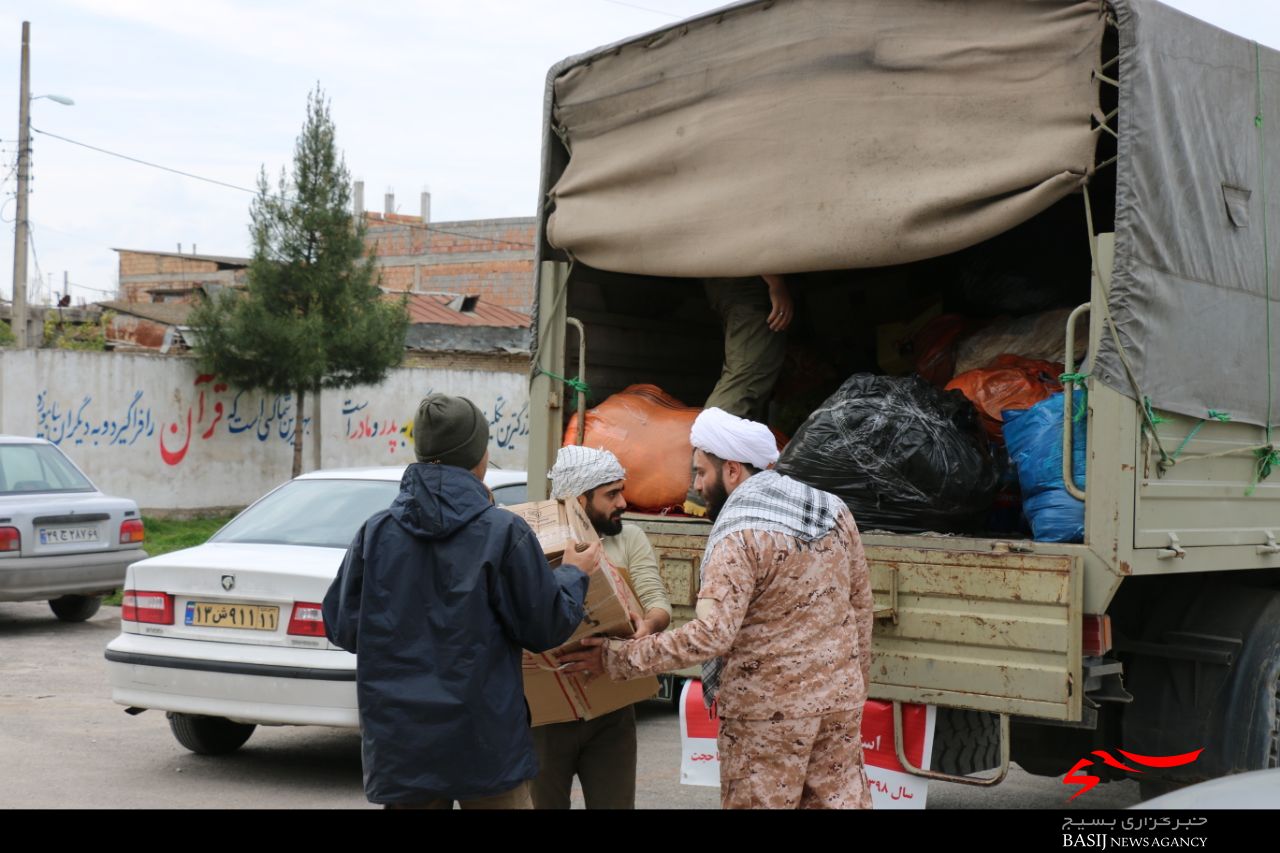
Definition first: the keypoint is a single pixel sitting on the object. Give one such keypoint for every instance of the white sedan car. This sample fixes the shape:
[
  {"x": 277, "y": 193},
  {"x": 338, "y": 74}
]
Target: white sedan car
[
  {"x": 229, "y": 635},
  {"x": 61, "y": 539}
]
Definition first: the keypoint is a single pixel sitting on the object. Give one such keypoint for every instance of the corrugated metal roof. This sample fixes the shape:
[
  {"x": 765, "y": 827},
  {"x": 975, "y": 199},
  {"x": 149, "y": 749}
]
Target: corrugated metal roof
[
  {"x": 169, "y": 313},
  {"x": 433, "y": 308}
]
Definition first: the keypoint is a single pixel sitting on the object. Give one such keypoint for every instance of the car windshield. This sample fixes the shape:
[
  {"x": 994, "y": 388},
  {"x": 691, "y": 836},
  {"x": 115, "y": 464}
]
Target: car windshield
[
  {"x": 26, "y": 468},
  {"x": 516, "y": 493},
  {"x": 324, "y": 513}
]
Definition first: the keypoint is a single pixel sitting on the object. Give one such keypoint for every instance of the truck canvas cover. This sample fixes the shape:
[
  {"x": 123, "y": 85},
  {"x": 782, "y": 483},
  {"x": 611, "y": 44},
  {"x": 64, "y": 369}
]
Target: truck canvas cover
[{"x": 800, "y": 135}]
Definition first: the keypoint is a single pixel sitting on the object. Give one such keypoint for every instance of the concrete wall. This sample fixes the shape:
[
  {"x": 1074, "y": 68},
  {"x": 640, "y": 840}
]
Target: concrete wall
[{"x": 153, "y": 429}]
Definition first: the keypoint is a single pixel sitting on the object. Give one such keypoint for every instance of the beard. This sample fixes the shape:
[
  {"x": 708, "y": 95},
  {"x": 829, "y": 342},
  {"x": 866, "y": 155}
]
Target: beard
[
  {"x": 715, "y": 496},
  {"x": 605, "y": 525}
]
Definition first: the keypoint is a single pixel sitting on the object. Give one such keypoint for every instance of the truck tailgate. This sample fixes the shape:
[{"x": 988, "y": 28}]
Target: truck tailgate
[{"x": 989, "y": 630}]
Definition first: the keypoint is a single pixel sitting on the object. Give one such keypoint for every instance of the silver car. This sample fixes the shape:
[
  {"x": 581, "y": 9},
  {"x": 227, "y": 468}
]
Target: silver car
[{"x": 60, "y": 538}]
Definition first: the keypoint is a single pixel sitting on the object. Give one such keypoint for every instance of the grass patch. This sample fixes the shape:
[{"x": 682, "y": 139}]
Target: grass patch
[{"x": 165, "y": 535}]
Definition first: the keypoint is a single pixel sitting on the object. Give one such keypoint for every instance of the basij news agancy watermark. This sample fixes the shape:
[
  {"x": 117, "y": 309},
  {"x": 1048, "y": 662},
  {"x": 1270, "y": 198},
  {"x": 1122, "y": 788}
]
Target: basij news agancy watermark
[{"x": 1142, "y": 831}]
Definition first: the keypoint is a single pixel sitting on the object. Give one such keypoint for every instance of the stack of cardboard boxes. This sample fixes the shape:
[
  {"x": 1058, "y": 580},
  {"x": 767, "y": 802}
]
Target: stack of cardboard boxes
[{"x": 612, "y": 609}]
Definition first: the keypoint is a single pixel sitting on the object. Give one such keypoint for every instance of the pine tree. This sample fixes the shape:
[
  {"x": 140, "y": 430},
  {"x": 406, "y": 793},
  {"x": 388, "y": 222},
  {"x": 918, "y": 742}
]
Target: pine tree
[{"x": 311, "y": 315}]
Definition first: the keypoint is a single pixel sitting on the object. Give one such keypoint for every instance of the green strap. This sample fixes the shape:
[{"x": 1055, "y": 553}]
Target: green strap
[
  {"x": 575, "y": 383},
  {"x": 1151, "y": 413},
  {"x": 1268, "y": 457},
  {"x": 1078, "y": 379},
  {"x": 1214, "y": 414}
]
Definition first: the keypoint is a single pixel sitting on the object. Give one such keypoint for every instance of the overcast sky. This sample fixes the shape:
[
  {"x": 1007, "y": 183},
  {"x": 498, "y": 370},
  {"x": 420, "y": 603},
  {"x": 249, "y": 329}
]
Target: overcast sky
[{"x": 425, "y": 94}]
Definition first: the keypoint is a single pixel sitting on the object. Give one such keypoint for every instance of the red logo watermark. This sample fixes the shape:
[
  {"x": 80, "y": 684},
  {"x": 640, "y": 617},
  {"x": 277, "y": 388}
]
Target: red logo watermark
[{"x": 1077, "y": 776}]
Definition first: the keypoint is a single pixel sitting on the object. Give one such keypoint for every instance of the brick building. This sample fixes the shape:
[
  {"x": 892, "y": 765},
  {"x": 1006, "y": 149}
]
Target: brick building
[
  {"x": 174, "y": 276},
  {"x": 488, "y": 258}
]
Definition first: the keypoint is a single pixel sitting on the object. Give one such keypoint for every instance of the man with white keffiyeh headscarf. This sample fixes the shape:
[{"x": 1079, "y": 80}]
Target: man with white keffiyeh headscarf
[
  {"x": 783, "y": 626},
  {"x": 601, "y": 751}
]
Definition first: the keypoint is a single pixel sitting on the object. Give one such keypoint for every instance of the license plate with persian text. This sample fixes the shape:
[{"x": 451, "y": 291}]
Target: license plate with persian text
[
  {"x": 250, "y": 617},
  {"x": 65, "y": 535}
]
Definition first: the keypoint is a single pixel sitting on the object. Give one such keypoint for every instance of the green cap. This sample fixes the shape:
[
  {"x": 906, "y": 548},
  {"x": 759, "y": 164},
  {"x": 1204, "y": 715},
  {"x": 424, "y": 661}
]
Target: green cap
[{"x": 450, "y": 431}]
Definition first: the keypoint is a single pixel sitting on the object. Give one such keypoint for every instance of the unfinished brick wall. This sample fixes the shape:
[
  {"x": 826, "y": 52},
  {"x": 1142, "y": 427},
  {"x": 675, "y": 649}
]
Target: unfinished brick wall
[
  {"x": 144, "y": 273},
  {"x": 490, "y": 258}
]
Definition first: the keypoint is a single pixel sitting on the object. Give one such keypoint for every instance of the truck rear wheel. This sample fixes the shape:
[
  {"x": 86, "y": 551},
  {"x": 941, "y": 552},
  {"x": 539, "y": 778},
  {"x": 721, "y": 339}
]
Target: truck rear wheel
[
  {"x": 1251, "y": 714},
  {"x": 965, "y": 742},
  {"x": 1205, "y": 675}
]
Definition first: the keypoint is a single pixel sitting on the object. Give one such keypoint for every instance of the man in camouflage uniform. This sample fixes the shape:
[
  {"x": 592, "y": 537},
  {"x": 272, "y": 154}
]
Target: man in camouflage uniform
[{"x": 784, "y": 625}]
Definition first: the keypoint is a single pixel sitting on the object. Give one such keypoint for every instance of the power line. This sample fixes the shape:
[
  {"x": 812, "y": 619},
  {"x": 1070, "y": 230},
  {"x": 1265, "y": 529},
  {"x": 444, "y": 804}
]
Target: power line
[
  {"x": 141, "y": 162},
  {"x": 81, "y": 237},
  {"x": 94, "y": 289},
  {"x": 145, "y": 162},
  {"x": 644, "y": 8},
  {"x": 31, "y": 238}
]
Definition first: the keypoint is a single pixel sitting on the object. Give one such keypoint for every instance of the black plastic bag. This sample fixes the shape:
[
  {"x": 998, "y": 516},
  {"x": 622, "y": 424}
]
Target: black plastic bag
[{"x": 902, "y": 454}]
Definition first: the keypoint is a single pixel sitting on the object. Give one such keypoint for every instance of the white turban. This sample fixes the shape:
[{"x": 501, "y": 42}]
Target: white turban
[
  {"x": 580, "y": 469},
  {"x": 717, "y": 432}
]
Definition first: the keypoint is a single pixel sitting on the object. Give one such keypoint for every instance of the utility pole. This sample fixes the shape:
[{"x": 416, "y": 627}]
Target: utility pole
[{"x": 19, "y": 314}]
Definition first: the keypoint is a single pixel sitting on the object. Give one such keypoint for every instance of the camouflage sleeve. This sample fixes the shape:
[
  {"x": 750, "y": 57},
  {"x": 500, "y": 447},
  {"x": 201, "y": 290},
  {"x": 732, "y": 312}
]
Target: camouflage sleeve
[
  {"x": 860, "y": 598},
  {"x": 728, "y": 583}
]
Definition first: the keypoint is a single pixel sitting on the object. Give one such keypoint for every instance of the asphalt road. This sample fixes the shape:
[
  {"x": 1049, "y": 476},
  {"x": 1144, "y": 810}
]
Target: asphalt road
[{"x": 64, "y": 743}]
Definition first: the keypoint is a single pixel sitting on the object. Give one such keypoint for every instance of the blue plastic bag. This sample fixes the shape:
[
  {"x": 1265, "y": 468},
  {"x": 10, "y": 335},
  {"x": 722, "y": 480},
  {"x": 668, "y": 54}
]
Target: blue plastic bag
[{"x": 1034, "y": 440}]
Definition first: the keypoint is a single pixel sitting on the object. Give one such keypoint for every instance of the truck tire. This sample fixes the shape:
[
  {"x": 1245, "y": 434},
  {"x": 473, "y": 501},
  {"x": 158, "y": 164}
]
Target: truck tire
[
  {"x": 75, "y": 608},
  {"x": 965, "y": 742},
  {"x": 209, "y": 735},
  {"x": 1230, "y": 708},
  {"x": 1251, "y": 714}
]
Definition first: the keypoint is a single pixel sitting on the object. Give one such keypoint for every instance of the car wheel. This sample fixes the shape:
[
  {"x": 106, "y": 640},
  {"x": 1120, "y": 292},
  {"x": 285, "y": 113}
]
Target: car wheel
[
  {"x": 75, "y": 608},
  {"x": 209, "y": 735}
]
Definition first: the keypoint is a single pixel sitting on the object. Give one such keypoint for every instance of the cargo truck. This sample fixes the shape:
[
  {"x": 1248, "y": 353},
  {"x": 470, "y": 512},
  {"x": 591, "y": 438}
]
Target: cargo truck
[{"x": 865, "y": 148}]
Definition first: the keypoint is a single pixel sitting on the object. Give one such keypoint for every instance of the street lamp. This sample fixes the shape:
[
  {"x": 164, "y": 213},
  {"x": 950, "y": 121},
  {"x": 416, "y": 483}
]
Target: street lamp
[{"x": 19, "y": 315}]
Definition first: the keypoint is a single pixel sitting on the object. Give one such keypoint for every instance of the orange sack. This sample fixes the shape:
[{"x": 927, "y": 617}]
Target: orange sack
[
  {"x": 1008, "y": 382},
  {"x": 648, "y": 430}
]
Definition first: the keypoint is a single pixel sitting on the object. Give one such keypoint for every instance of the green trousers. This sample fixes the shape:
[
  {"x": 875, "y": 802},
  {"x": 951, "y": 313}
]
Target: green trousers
[
  {"x": 753, "y": 354},
  {"x": 601, "y": 752}
]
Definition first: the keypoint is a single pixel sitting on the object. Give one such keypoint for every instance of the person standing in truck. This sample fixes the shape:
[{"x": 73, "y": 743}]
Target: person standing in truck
[
  {"x": 783, "y": 628},
  {"x": 602, "y": 752},
  {"x": 755, "y": 314},
  {"x": 438, "y": 595}
]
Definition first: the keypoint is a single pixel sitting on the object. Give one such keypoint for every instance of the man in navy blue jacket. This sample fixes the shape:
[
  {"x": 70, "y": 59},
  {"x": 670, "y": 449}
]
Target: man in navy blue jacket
[{"x": 437, "y": 596}]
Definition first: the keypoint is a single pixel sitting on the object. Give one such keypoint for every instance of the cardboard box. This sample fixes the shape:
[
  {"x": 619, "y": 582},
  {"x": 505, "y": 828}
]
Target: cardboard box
[
  {"x": 611, "y": 606},
  {"x": 558, "y": 697}
]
